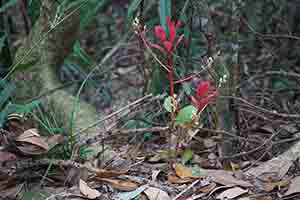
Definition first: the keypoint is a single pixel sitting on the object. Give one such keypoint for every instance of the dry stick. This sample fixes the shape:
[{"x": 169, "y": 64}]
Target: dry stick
[{"x": 186, "y": 189}]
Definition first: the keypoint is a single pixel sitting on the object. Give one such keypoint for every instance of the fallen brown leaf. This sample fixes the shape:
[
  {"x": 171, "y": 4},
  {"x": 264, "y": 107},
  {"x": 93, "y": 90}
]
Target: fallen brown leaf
[
  {"x": 182, "y": 171},
  {"x": 31, "y": 136},
  {"x": 294, "y": 186},
  {"x": 87, "y": 191},
  {"x": 126, "y": 186},
  {"x": 177, "y": 180},
  {"x": 208, "y": 188},
  {"x": 156, "y": 194},
  {"x": 224, "y": 178},
  {"x": 103, "y": 173},
  {"x": 232, "y": 193}
]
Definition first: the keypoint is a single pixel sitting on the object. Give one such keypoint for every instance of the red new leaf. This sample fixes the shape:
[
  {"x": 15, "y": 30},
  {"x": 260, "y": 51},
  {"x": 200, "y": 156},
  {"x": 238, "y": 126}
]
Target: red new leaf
[
  {"x": 202, "y": 89},
  {"x": 160, "y": 33}
]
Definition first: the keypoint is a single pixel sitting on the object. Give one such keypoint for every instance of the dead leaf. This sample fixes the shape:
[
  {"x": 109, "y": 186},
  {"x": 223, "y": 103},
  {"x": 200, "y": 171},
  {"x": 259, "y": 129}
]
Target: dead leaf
[
  {"x": 29, "y": 133},
  {"x": 182, "y": 171},
  {"x": 232, "y": 193},
  {"x": 103, "y": 173},
  {"x": 7, "y": 156},
  {"x": 156, "y": 194},
  {"x": 275, "y": 166},
  {"x": 31, "y": 143},
  {"x": 269, "y": 186},
  {"x": 176, "y": 180},
  {"x": 87, "y": 191},
  {"x": 120, "y": 184},
  {"x": 263, "y": 198},
  {"x": 32, "y": 137},
  {"x": 155, "y": 174},
  {"x": 294, "y": 186},
  {"x": 224, "y": 178},
  {"x": 208, "y": 188}
]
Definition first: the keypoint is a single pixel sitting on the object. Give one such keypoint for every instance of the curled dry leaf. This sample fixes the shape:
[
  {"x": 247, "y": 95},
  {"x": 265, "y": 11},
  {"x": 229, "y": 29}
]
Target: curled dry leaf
[
  {"x": 177, "y": 180},
  {"x": 224, "y": 178},
  {"x": 103, "y": 173},
  {"x": 87, "y": 191},
  {"x": 232, "y": 193},
  {"x": 182, "y": 171},
  {"x": 208, "y": 188},
  {"x": 120, "y": 184},
  {"x": 156, "y": 194},
  {"x": 30, "y": 142}
]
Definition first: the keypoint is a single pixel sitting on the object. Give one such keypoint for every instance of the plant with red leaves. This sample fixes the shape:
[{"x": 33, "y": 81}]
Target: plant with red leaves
[
  {"x": 202, "y": 98},
  {"x": 169, "y": 46}
]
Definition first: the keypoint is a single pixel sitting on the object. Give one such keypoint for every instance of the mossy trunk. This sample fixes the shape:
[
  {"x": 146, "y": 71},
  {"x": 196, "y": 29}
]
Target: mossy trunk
[{"x": 48, "y": 56}]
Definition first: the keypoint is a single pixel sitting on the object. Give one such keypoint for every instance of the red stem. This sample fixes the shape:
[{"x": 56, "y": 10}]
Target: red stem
[{"x": 171, "y": 82}]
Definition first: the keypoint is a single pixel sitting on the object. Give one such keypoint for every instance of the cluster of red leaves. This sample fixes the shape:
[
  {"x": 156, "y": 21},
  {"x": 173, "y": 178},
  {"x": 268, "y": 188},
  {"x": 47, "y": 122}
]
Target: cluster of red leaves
[
  {"x": 168, "y": 44},
  {"x": 203, "y": 98}
]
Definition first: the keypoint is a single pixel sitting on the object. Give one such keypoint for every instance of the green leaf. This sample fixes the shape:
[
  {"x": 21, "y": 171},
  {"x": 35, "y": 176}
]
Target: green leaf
[
  {"x": 147, "y": 136},
  {"x": 131, "y": 10},
  {"x": 168, "y": 104},
  {"x": 198, "y": 171},
  {"x": 186, "y": 115},
  {"x": 187, "y": 156},
  {"x": 8, "y": 5},
  {"x": 164, "y": 11},
  {"x": 35, "y": 195},
  {"x": 80, "y": 52}
]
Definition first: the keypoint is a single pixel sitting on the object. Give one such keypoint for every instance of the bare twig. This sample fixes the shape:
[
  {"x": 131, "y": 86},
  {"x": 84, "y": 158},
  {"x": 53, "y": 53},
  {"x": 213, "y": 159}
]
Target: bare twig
[{"x": 186, "y": 189}]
